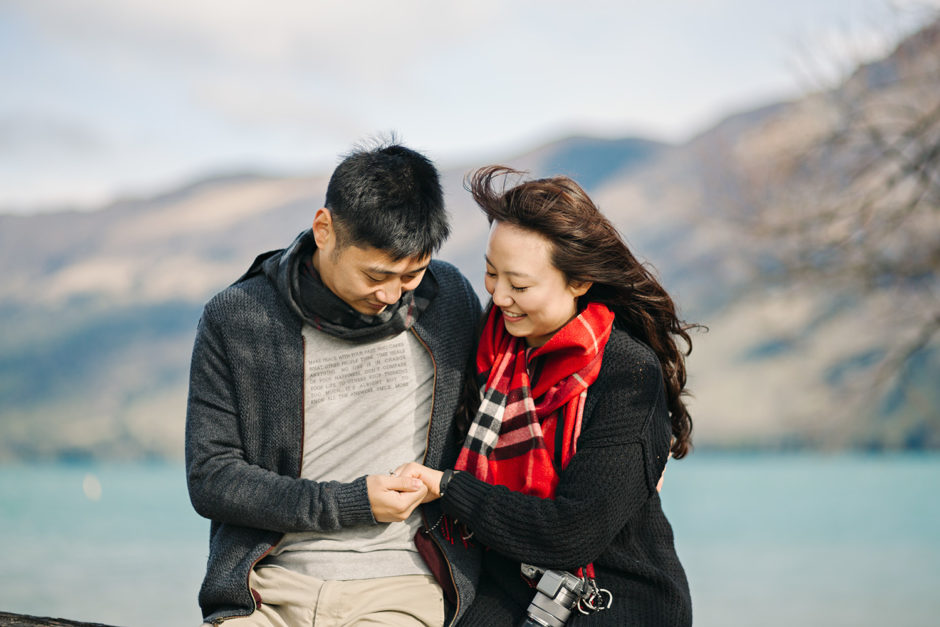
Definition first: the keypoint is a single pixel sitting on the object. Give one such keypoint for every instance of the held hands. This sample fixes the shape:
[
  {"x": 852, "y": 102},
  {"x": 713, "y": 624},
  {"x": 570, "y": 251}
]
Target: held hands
[
  {"x": 393, "y": 497},
  {"x": 430, "y": 478}
]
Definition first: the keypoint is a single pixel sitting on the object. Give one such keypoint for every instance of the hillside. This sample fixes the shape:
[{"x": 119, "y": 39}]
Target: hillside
[{"x": 99, "y": 308}]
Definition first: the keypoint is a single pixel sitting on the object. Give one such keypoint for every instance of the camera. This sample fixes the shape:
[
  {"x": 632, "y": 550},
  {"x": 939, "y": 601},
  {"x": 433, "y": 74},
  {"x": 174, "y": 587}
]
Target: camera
[{"x": 556, "y": 595}]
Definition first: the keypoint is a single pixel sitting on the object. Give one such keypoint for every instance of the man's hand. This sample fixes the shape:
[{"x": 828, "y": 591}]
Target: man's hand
[
  {"x": 393, "y": 498},
  {"x": 428, "y": 476}
]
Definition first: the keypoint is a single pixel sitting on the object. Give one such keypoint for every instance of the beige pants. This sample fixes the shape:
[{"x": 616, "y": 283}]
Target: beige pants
[{"x": 289, "y": 599}]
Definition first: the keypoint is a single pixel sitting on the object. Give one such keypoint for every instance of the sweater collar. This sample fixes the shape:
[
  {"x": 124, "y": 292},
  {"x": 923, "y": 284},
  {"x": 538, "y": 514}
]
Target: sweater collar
[{"x": 300, "y": 286}]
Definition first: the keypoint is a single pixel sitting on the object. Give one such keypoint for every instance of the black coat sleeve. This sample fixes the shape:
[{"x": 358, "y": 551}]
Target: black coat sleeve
[{"x": 607, "y": 481}]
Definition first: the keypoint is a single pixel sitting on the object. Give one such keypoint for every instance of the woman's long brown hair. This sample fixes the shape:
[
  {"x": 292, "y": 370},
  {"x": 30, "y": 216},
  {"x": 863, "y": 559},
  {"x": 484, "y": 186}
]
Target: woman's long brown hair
[{"x": 587, "y": 247}]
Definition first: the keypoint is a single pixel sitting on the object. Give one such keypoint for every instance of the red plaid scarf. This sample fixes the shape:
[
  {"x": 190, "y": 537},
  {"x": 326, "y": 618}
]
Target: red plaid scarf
[{"x": 511, "y": 441}]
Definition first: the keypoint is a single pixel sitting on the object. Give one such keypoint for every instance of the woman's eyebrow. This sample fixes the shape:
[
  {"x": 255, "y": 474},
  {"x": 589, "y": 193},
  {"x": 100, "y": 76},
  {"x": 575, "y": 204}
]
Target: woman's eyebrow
[{"x": 509, "y": 272}]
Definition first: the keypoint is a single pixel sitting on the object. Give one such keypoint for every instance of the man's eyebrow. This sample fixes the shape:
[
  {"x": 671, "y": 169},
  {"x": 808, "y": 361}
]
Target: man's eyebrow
[
  {"x": 378, "y": 270},
  {"x": 521, "y": 275}
]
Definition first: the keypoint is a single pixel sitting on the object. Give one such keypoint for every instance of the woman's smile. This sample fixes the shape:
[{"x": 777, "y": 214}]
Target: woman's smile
[{"x": 509, "y": 316}]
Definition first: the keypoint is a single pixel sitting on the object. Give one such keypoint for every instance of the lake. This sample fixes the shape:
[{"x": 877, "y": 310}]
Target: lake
[{"x": 770, "y": 540}]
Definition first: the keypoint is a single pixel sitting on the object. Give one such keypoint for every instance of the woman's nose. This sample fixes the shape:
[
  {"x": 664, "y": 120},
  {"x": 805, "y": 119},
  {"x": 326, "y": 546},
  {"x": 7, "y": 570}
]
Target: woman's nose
[{"x": 501, "y": 297}]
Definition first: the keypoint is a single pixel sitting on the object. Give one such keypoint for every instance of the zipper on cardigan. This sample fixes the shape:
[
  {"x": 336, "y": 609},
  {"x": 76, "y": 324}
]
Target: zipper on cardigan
[
  {"x": 222, "y": 619},
  {"x": 427, "y": 443},
  {"x": 427, "y": 437},
  {"x": 303, "y": 404},
  {"x": 450, "y": 568}
]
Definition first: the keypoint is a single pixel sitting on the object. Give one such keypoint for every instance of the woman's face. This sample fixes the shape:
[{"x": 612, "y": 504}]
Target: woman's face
[{"x": 534, "y": 296}]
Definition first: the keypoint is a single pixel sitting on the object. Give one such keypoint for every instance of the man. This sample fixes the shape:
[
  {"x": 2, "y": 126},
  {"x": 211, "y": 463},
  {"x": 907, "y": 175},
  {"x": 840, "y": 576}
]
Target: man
[{"x": 326, "y": 365}]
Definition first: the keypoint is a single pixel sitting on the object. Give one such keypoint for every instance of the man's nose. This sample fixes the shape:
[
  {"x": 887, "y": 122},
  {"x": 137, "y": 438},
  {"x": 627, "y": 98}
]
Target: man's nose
[{"x": 390, "y": 292}]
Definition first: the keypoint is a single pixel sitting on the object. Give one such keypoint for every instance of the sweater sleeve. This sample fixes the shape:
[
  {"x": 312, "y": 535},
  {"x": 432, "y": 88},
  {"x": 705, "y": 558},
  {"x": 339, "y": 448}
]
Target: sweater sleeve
[
  {"x": 605, "y": 483},
  {"x": 224, "y": 487}
]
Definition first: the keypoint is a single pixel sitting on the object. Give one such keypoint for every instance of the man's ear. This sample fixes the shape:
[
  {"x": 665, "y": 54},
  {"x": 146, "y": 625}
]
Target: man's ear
[{"x": 323, "y": 232}]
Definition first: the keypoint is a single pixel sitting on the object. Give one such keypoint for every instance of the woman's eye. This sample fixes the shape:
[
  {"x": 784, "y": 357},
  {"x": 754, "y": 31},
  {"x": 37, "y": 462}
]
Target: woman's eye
[{"x": 519, "y": 289}]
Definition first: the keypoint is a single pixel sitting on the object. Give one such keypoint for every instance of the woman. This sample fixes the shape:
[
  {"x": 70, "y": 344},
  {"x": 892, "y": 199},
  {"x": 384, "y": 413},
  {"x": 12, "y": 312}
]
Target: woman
[{"x": 582, "y": 382}]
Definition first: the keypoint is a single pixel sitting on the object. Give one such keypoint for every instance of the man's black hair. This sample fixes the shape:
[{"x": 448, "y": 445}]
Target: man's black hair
[{"x": 388, "y": 197}]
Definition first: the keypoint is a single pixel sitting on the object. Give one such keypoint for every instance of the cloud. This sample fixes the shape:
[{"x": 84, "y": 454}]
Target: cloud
[
  {"x": 176, "y": 85},
  {"x": 356, "y": 38},
  {"x": 42, "y": 139},
  {"x": 276, "y": 63},
  {"x": 264, "y": 104}
]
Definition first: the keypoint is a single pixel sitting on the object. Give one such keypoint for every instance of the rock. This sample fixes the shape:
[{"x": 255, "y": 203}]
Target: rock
[{"x": 22, "y": 620}]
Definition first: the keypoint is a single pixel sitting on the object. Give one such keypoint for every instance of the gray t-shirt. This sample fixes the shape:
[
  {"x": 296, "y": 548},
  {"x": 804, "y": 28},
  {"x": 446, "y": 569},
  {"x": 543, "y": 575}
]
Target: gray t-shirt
[{"x": 366, "y": 411}]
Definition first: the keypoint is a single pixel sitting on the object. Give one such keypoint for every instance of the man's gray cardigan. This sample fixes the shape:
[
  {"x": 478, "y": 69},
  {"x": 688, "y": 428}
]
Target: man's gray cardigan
[{"x": 244, "y": 431}]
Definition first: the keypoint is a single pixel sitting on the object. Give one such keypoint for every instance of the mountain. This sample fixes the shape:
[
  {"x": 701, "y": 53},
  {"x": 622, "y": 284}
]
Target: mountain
[{"x": 98, "y": 309}]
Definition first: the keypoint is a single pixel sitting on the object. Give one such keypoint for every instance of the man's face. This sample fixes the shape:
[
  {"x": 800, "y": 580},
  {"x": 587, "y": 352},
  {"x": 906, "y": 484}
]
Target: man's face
[{"x": 367, "y": 279}]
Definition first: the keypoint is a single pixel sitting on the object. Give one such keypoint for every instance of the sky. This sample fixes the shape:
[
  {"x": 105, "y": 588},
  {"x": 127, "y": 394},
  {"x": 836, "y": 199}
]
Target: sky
[{"x": 102, "y": 99}]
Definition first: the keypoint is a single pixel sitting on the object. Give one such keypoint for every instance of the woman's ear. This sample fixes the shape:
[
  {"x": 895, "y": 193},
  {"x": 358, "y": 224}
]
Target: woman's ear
[{"x": 579, "y": 288}]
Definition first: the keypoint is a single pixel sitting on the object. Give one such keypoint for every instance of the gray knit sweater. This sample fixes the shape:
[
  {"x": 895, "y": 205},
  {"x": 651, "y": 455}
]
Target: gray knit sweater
[{"x": 244, "y": 431}]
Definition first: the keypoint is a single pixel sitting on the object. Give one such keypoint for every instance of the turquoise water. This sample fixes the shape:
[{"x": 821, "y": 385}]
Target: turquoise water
[{"x": 766, "y": 540}]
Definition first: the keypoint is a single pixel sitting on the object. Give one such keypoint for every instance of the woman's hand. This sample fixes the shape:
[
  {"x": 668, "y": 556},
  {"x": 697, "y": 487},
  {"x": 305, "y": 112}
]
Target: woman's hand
[
  {"x": 392, "y": 499},
  {"x": 428, "y": 476}
]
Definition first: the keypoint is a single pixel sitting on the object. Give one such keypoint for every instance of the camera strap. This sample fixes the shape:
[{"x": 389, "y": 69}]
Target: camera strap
[{"x": 592, "y": 598}]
